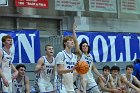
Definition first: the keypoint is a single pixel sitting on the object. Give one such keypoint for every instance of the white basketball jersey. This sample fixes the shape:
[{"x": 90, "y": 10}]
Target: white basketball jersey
[
  {"x": 6, "y": 65},
  {"x": 19, "y": 87},
  {"x": 129, "y": 89},
  {"x": 115, "y": 81},
  {"x": 47, "y": 74},
  {"x": 69, "y": 62},
  {"x": 89, "y": 75},
  {"x": 106, "y": 82}
]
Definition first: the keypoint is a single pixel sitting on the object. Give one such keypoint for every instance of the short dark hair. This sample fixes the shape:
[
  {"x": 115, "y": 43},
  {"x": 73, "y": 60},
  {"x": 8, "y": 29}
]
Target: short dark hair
[
  {"x": 47, "y": 46},
  {"x": 106, "y": 67},
  {"x": 115, "y": 68},
  {"x": 136, "y": 61},
  {"x": 129, "y": 66},
  {"x": 80, "y": 45},
  {"x": 20, "y": 65}
]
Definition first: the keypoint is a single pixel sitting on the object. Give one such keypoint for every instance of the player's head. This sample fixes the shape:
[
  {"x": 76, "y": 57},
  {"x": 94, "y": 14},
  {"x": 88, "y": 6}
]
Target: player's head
[
  {"x": 129, "y": 69},
  {"x": 84, "y": 47},
  {"x": 7, "y": 41},
  {"x": 136, "y": 61},
  {"x": 49, "y": 50},
  {"x": 106, "y": 70},
  {"x": 115, "y": 70},
  {"x": 21, "y": 69},
  {"x": 68, "y": 42}
]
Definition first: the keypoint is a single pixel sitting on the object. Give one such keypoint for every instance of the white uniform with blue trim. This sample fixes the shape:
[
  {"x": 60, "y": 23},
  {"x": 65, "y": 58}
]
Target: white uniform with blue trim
[
  {"x": 6, "y": 69},
  {"x": 91, "y": 84},
  {"x": 19, "y": 87},
  {"x": 68, "y": 60},
  {"x": 47, "y": 76},
  {"x": 129, "y": 89}
]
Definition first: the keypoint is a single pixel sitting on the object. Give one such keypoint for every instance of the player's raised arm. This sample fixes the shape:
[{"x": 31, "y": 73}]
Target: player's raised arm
[{"x": 78, "y": 51}]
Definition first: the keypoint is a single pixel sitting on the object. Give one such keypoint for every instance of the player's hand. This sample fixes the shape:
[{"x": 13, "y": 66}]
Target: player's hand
[
  {"x": 5, "y": 82},
  {"x": 75, "y": 67},
  {"x": 74, "y": 26},
  {"x": 117, "y": 91}
]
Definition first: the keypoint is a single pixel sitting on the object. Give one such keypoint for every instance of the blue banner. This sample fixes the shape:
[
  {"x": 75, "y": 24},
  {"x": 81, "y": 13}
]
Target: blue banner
[
  {"x": 26, "y": 45},
  {"x": 111, "y": 46}
]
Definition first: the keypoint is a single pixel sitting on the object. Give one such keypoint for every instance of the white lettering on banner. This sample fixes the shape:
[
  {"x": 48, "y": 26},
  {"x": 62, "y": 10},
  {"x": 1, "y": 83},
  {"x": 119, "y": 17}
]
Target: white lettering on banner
[
  {"x": 22, "y": 39},
  {"x": 95, "y": 48},
  {"x": 105, "y": 49},
  {"x": 127, "y": 47},
  {"x": 113, "y": 50},
  {"x": 139, "y": 42},
  {"x": 82, "y": 37}
]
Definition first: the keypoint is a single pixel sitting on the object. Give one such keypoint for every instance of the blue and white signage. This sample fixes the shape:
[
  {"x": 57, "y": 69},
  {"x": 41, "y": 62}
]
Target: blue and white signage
[
  {"x": 111, "y": 46},
  {"x": 26, "y": 45}
]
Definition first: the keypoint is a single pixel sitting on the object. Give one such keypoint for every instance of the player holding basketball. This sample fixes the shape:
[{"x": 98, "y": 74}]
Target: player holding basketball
[
  {"x": 84, "y": 54},
  {"x": 6, "y": 64},
  {"x": 66, "y": 61},
  {"x": 46, "y": 70}
]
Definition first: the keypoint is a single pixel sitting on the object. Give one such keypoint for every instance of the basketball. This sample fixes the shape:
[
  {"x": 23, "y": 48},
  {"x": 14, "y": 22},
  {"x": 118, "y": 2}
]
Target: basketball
[{"x": 82, "y": 67}]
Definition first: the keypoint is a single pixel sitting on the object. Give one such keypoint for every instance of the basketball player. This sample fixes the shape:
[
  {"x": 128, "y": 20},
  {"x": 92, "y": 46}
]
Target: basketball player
[
  {"x": 115, "y": 75},
  {"x": 84, "y": 54},
  {"x": 66, "y": 61},
  {"x": 46, "y": 70},
  {"x": 21, "y": 83},
  {"x": 128, "y": 80},
  {"x": 107, "y": 85},
  {"x": 6, "y": 64}
]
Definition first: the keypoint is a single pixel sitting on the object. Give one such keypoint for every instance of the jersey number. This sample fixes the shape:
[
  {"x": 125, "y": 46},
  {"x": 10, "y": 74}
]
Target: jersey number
[{"x": 69, "y": 67}]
